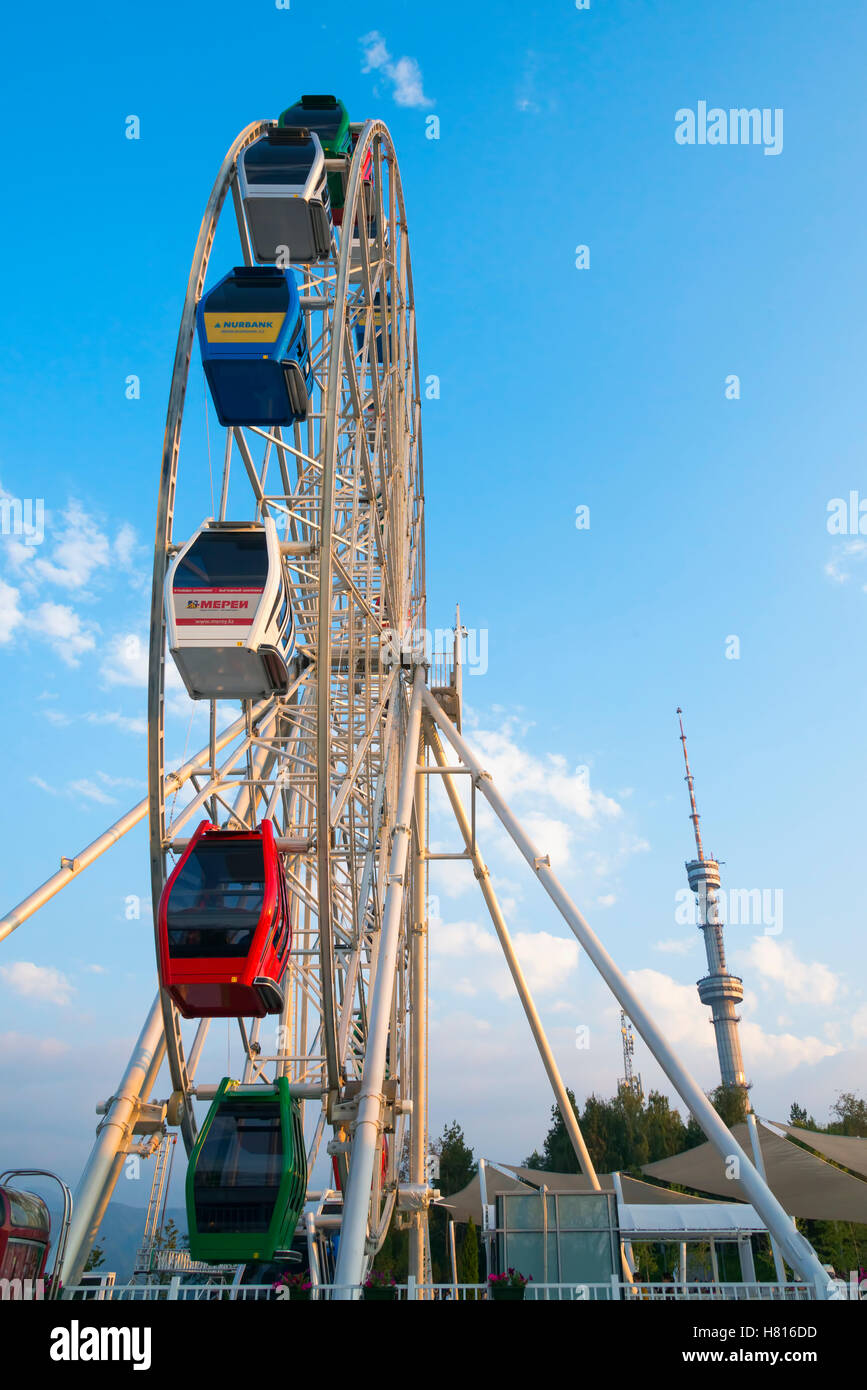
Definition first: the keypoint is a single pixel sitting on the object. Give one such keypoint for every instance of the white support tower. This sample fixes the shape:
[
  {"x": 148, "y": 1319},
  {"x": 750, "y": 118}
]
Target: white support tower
[{"x": 719, "y": 989}]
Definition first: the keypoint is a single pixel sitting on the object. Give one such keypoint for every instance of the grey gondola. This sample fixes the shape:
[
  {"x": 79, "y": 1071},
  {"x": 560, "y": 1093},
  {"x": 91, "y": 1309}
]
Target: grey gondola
[{"x": 284, "y": 188}]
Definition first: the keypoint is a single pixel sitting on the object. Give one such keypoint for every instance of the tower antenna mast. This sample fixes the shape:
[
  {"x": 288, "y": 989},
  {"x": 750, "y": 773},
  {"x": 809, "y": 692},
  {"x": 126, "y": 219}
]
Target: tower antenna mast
[{"x": 720, "y": 989}]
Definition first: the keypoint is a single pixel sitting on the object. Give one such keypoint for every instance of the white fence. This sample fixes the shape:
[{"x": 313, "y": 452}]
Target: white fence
[{"x": 179, "y": 1289}]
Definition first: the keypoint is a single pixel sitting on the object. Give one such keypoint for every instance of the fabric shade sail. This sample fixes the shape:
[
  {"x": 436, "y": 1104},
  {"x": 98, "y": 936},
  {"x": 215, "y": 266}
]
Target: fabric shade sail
[
  {"x": 840, "y": 1148},
  {"x": 805, "y": 1185}
]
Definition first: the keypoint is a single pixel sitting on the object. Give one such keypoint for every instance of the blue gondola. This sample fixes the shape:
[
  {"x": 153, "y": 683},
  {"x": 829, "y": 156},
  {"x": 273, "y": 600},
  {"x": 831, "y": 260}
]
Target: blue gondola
[{"x": 254, "y": 348}]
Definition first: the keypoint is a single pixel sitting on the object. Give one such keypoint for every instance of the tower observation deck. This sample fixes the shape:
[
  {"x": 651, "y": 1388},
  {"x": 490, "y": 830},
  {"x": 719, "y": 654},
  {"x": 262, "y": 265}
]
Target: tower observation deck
[{"x": 718, "y": 989}]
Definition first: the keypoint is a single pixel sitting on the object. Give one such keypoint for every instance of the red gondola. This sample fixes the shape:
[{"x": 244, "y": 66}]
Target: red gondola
[
  {"x": 25, "y": 1235},
  {"x": 225, "y": 930}
]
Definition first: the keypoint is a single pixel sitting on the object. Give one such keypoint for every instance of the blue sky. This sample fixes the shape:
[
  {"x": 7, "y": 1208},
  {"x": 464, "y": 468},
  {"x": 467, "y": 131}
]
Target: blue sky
[{"x": 560, "y": 387}]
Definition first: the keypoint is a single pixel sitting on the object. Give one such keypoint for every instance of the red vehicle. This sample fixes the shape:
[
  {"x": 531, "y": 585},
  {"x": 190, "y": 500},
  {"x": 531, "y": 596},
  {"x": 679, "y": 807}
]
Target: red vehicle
[
  {"x": 25, "y": 1235},
  {"x": 224, "y": 925}
]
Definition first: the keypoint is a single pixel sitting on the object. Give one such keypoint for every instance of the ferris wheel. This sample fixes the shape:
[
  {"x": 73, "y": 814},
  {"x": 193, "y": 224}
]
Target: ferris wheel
[
  {"x": 302, "y": 646},
  {"x": 319, "y": 758}
]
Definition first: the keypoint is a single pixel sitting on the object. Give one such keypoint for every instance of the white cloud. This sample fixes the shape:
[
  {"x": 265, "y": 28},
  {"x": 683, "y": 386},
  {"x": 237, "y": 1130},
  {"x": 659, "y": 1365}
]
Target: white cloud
[
  {"x": 110, "y": 781},
  {"x": 19, "y": 1047},
  {"x": 606, "y": 900},
  {"x": 56, "y": 716},
  {"x": 777, "y": 1053},
  {"x": 685, "y": 1022},
  {"x": 849, "y": 553},
  {"x": 516, "y": 771},
  {"x": 463, "y": 939},
  {"x": 677, "y": 946},
  {"x": 676, "y": 1009},
  {"x": 91, "y": 792},
  {"x": 551, "y": 837},
  {"x": 547, "y": 961},
  {"x": 404, "y": 75},
  {"x": 63, "y": 629},
  {"x": 11, "y": 616},
  {"x": 465, "y": 986},
  {"x": 78, "y": 551},
  {"x": 41, "y": 982},
  {"x": 802, "y": 982},
  {"x": 125, "y": 545},
  {"x": 131, "y": 724},
  {"x": 44, "y": 786},
  {"x": 126, "y": 661}
]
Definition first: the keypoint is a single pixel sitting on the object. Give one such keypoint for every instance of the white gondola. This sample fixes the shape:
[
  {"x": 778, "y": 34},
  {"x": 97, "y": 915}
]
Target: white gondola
[
  {"x": 229, "y": 619},
  {"x": 284, "y": 188}
]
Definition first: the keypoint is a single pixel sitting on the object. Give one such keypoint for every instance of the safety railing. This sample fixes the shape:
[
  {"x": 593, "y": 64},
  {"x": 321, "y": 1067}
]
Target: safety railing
[{"x": 180, "y": 1290}]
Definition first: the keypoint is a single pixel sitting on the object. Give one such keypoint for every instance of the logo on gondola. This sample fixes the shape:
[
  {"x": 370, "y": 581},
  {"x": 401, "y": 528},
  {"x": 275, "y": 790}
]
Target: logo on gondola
[
  {"x": 218, "y": 603},
  {"x": 243, "y": 328}
]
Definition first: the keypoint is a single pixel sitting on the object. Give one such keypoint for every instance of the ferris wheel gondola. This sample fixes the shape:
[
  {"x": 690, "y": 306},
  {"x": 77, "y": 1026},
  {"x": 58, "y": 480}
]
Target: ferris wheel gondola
[
  {"x": 254, "y": 348},
  {"x": 225, "y": 929},
  {"x": 329, "y": 119},
  {"x": 247, "y": 1176},
  {"x": 229, "y": 617},
  {"x": 284, "y": 189}
]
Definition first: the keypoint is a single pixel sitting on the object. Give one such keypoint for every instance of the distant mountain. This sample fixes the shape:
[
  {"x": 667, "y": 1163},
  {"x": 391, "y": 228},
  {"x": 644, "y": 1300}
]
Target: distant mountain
[{"x": 120, "y": 1235}]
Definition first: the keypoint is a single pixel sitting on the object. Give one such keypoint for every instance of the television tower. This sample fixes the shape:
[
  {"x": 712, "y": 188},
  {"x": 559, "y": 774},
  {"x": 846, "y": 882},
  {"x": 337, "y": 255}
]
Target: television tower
[{"x": 721, "y": 990}]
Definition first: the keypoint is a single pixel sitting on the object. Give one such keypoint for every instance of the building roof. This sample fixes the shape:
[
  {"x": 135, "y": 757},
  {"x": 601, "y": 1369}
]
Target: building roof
[
  {"x": 468, "y": 1202},
  {"x": 689, "y": 1220},
  {"x": 804, "y": 1184}
]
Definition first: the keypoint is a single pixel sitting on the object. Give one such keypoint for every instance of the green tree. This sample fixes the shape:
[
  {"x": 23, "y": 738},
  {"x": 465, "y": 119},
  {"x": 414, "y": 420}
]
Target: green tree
[
  {"x": 468, "y": 1255},
  {"x": 170, "y": 1237},
  {"x": 95, "y": 1260},
  {"x": 621, "y": 1134},
  {"x": 730, "y": 1103},
  {"x": 393, "y": 1255},
  {"x": 457, "y": 1167},
  {"x": 798, "y": 1116},
  {"x": 851, "y": 1114},
  {"x": 457, "y": 1164}
]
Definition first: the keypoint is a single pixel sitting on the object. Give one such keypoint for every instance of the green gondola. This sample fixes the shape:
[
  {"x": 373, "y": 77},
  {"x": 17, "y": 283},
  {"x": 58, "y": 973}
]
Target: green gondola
[
  {"x": 329, "y": 118},
  {"x": 247, "y": 1175}
]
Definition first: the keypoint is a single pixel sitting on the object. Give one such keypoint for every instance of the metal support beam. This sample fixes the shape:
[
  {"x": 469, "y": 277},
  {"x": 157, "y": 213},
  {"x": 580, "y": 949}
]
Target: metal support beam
[
  {"x": 106, "y": 1157},
  {"x": 760, "y": 1165},
  {"x": 797, "y": 1250},
  {"x": 418, "y": 1022},
  {"x": 480, "y": 869},
  {"x": 350, "y": 1259}
]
